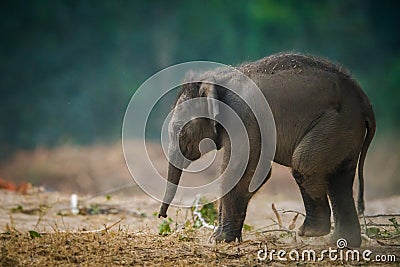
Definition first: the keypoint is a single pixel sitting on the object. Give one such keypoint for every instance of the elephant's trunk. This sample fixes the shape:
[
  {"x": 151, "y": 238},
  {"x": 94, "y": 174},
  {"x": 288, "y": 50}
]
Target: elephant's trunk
[{"x": 174, "y": 175}]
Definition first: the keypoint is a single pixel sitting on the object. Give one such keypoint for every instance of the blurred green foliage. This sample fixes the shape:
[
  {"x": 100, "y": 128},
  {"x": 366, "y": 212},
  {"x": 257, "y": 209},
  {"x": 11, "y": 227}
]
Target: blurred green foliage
[
  {"x": 384, "y": 233},
  {"x": 69, "y": 68},
  {"x": 165, "y": 227}
]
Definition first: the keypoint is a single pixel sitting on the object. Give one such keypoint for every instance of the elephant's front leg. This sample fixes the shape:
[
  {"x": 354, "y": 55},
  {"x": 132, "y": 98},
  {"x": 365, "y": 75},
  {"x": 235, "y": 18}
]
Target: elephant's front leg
[
  {"x": 232, "y": 212},
  {"x": 233, "y": 209}
]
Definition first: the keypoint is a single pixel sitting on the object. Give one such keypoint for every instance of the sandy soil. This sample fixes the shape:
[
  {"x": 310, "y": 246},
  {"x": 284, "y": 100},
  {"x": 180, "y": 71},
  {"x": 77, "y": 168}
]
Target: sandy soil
[
  {"x": 134, "y": 240},
  {"x": 117, "y": 227}
]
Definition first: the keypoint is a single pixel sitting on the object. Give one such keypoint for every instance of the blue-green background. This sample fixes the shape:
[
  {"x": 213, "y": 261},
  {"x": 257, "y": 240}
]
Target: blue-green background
[{"x": 68, "y": 68}]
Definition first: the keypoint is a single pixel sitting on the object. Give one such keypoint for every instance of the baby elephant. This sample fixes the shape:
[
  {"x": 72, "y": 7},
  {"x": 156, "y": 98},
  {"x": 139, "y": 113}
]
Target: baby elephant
[{"x": 324, "y": 126}]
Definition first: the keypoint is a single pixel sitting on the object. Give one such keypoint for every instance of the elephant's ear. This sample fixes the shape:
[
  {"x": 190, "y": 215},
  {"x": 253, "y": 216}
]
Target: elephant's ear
[{"x": 208, "y": 90}]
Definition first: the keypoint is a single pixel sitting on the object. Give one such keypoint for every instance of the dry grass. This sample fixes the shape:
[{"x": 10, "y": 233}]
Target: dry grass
[
  {"x": 93, "y": 240},
  {"x": 127, "y": 248},
  {"x": 118, "y": 248}
]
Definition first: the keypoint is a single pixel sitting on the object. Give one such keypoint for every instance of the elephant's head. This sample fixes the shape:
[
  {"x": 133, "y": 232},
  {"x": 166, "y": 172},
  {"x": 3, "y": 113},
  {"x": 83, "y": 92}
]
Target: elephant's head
[{"x": 186, "y": 135}]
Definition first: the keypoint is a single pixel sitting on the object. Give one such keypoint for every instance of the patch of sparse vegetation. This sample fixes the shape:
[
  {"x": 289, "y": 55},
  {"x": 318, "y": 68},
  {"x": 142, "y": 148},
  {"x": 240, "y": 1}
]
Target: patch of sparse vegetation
[
  {"x": 34, "y": 234},
  {"x": 165, "y": 227},
  {"x": 247, "y": 227},
  {"x": 384, "y": 233},
  {"x": 18, "y": 208},
  {"x": 208, "y": 213}
]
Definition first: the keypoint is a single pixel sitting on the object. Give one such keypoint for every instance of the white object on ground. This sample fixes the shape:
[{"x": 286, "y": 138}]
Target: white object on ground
[{"x": 74, "y": 204}]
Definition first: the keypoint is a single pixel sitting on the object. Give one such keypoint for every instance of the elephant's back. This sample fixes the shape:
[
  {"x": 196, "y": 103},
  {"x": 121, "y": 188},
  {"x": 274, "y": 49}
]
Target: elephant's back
[
  {"x": 291, "y": 82},
  {"x": 298, "y": 96},
  {"x": 294, "y": 62}
]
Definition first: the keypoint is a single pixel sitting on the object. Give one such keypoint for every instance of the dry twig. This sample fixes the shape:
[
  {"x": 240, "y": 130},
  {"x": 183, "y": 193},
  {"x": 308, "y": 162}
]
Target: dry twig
[
  {"x": 382, "y": 215},
  {"x": 379, "y": 224},
  {"x": 385, "y": 244},
  {"x": 105, "y": 229},
  {"x": 293, "y": 211},
  {"x": 263, "y": 227},
  {"x": 278, "y": 217},
  {"x": 279, "y": 230},
  {"x": 293, "y": 224}
]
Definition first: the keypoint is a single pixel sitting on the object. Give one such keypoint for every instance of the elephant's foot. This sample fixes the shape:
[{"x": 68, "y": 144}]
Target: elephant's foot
[
  {"x": 311, "y": 231},
  {"x": 352, "y": 240},
  {"x": 317, "y": 221},
  {"x": 319, "y": 227},
  {"x": 351, "y": 233},
  {"x": 221, "y": 235}
]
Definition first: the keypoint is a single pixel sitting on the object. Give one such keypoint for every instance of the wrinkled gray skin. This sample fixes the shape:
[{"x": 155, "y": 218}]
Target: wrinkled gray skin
[{"x": 324, "y": 126}]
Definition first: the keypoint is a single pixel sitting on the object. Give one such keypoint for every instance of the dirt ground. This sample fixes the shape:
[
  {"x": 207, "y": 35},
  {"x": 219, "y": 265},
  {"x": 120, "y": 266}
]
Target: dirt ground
[
  {"x": 122, "y": 230},
  {"x": 117, "y": 226}
]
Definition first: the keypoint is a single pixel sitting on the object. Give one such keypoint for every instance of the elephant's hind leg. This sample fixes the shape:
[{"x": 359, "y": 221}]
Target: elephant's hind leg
[
  {"x": 314, "y": 157},
  {"x": 340, "y": 191},
  {"x": 318, "y": 212}
]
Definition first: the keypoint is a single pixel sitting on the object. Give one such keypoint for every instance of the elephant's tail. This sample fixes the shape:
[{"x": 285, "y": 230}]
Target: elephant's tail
[{"x": 371, "y": 127}]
